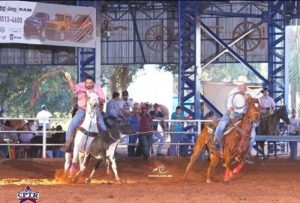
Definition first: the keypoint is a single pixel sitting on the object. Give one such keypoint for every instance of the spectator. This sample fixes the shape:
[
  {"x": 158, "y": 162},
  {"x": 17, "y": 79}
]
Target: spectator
[
  {"x": 125, "y": 104},
  {"x": 146, "y": 131},
  {"x": 294, "y": 129},
  {"x": 27, "y": 136},
  {"x": 134, "y": 120},
  {"x": 158, "y": 115},
  {"x": 58, "y": 138},
  {"x": 43, "y": 115},
  {"x": 178, "y": 136},
  {"x": 266, "y": 102},
  {"x": 113, "y": 107}
]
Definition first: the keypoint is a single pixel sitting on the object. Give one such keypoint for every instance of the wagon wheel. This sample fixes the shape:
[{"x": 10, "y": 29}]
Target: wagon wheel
[
  {"x": 158, "y": 37},
  {"x": 249, "y": 42}
]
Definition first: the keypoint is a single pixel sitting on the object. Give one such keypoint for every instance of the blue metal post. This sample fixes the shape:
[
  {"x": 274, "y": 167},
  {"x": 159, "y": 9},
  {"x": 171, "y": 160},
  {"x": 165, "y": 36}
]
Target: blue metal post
[
  {"x": 276, "y": 52},
  {"x": 86, "y": 57},
  {"x": 189, "y": 91}
]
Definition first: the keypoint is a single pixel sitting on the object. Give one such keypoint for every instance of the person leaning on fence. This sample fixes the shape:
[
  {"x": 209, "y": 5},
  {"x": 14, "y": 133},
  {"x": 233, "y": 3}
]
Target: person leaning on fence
[
  {"x": 113, "y": 107},
  {"x": 134, "y": 120},
  {"x": 236, "y": 107},
  {"x": 80, "y": 90},
  {"x": 146, "y": 131},
  {"x": 294, "y": 129},
  {"x": 158, "y": 115},
  {"x": 177, "y": 135}
]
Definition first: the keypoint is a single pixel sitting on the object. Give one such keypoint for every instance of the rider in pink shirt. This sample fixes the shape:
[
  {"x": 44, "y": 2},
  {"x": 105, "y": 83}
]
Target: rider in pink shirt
[
  {"x": 81, "y": 93},
  {"x": 80, "y": 89}
]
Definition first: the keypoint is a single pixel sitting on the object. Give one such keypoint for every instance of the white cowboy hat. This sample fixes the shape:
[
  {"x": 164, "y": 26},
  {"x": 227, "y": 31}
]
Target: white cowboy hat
[{"x": 241, "y": 80}]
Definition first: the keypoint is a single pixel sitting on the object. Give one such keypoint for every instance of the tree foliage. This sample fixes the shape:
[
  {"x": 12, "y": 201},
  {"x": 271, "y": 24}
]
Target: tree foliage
[{"x": 17, "y": 91}]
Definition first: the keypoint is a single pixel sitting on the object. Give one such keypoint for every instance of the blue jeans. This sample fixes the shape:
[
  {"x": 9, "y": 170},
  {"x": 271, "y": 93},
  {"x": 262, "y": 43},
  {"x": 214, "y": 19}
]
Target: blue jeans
[
  {"x": 252, "y": 138},
  {"x": 159, "y": 137},
  {"x": 78, "y": 117},
  {"x": 219, "y": 133}
]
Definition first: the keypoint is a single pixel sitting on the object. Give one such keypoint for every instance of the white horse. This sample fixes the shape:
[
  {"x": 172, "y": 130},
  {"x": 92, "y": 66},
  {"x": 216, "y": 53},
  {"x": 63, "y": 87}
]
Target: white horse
[{"x": 84, "y": 135}]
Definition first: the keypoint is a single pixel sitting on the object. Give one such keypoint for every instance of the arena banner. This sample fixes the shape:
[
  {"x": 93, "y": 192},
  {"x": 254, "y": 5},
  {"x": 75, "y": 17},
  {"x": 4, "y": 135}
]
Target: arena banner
[{"x": 49, "y": 24}]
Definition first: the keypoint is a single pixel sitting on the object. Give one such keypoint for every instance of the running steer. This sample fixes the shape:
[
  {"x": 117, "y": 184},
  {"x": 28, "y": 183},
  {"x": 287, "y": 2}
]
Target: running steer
[{"x": 103, "y": 147}]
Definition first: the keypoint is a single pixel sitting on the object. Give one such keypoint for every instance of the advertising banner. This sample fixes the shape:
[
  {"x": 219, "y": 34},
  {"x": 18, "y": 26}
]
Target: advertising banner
[{"x": 49, "y": 24}]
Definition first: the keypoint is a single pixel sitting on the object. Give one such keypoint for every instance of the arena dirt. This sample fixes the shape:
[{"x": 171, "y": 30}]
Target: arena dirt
[{"x": 273, "y": 180}]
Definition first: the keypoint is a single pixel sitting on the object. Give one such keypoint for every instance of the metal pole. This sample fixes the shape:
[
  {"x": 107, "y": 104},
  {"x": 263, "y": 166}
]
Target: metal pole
[{"x": 44, "y": 139}]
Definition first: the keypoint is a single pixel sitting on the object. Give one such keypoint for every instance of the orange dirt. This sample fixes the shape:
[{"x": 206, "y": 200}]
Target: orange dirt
[{"x": 274, "y": 180}]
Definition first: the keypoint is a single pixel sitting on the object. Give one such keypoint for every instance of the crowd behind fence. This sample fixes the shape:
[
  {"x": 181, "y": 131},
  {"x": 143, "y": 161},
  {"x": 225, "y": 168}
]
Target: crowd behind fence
[{"x": 192, "y": 128}]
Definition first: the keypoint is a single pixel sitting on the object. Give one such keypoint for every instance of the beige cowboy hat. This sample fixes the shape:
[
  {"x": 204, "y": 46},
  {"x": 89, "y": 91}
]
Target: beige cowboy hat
[{"x": 241, "y": 80}]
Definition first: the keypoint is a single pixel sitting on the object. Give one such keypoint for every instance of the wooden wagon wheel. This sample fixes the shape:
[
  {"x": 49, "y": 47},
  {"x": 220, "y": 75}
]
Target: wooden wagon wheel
[
  {"x": 158, "y": 37},
  {"x": 249, "y": 42}
]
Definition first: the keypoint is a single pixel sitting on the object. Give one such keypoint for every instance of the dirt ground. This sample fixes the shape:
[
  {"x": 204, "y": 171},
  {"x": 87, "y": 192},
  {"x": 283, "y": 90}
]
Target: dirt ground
[{"x": 273, "y": 180}]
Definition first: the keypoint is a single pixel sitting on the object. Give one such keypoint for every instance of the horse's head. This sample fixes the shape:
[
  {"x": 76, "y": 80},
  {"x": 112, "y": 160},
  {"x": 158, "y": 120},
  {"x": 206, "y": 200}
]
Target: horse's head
[
  {"x": 282, "y": 113},
  {"x": 253, "y": 109},
  {"x": 93, "y": 101}
]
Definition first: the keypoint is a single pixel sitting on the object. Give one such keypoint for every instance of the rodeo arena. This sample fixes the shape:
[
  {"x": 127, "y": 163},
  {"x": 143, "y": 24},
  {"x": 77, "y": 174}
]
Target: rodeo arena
[{"x": 149, "y": 101}]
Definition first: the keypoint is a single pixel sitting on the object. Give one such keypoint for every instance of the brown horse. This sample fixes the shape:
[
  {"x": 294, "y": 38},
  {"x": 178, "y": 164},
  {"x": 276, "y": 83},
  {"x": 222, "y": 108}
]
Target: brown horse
[
  {"x": 236, "y": 143},
  {"x": 269, "y": 125}
]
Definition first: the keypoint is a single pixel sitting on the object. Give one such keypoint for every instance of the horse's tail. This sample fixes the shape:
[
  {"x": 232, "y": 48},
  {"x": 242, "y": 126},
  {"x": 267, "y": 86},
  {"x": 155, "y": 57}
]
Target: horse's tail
[{"x": 201, "y": 141}]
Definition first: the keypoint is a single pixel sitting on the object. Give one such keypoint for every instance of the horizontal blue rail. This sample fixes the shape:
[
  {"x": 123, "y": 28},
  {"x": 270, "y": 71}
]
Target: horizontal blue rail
[{"x": 285, "y": 138}]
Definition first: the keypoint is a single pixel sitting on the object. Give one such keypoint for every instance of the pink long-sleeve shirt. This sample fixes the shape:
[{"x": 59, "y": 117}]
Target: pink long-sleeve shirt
[{"x": 82, "y": 97}]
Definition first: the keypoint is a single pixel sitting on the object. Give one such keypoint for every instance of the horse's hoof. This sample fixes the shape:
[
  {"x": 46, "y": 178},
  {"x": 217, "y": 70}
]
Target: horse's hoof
[
  {"x": 227, "y": 179},
  {"x": 88, "y": 181},
  {"x": 74, "y": 179},
  {"x": 208, "y": 181},
  {"x": 228, "y": 175}
]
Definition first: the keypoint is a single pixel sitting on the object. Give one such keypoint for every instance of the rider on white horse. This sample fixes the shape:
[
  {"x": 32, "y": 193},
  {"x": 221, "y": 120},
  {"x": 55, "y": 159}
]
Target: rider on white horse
[{"x": 81, "y": 90}]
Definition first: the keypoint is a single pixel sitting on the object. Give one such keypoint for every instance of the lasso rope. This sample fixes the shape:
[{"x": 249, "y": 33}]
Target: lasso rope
[
  {"x": 233, "y": 104},
  {"x": 36, "y": 94}
]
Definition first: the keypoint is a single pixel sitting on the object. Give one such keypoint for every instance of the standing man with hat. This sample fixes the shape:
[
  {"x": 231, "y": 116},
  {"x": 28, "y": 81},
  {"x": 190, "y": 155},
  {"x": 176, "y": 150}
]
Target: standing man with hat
[
  {"x": 236, "y": 107},
  {"x": 125, "y": 104},
  {"x": 266, "y": 102}
]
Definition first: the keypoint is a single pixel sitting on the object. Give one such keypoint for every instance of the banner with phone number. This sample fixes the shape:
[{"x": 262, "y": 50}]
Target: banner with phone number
[{"x": 49, "y": 24}]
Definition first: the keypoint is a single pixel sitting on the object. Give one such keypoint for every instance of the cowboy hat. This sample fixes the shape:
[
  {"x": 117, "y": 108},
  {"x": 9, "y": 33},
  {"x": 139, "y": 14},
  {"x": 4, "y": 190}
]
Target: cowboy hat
[{"x": 241, "y": 80}]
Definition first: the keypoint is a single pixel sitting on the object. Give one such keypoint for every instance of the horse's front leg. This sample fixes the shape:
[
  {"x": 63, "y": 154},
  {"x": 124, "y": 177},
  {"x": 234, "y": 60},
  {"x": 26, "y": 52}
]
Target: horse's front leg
[
  {"x": 68, "y": 160},
  {"x": 76, "y": 150},
  {"x": 227, "y": 158},
  {"x": 83, "y": 160}
]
